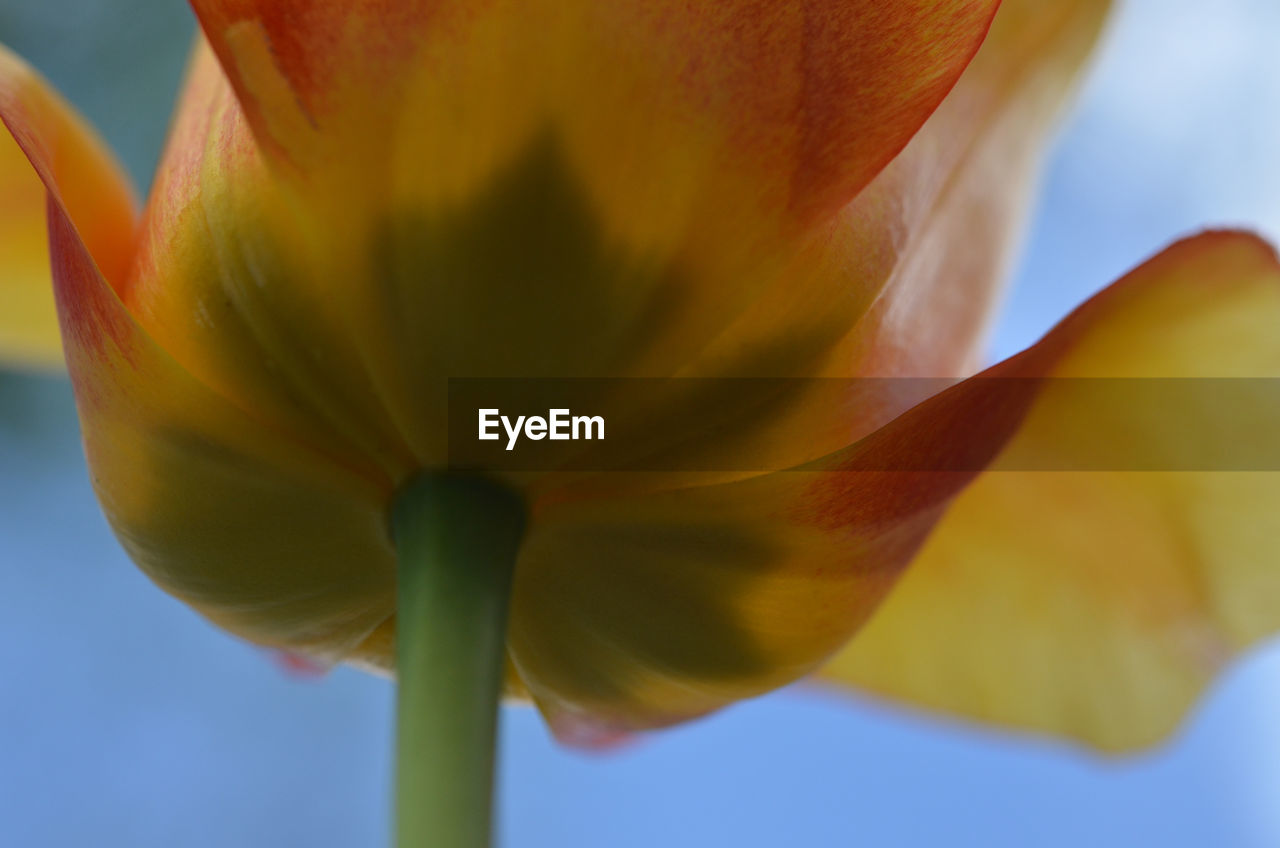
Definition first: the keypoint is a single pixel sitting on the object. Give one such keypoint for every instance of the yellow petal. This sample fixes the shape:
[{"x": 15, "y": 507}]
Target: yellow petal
[
  {"x": 244, "y": 294},
  {"x": 273, "y": 540},
  {"x": 334, "y": 307},
  {"x": 957, "y": 197},
  {"x": 643, "y": 609},
  {"x": 1099, "y": 604},
  {"x": 820, "y": 95},
  {"x": 269, "y": 537},
  {"x": 28, "y": 319},
  {"x": 903, "y": 281},
  {"x": 364, "y": 285},
  {"x": 647, "y": 169},
  {"x": 44, "y": 129}
]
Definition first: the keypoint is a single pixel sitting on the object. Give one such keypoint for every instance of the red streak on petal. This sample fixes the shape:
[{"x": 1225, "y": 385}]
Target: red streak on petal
[
  {"x": 296, "y": 665},
  {"x": 589, "y": 736},
  {"x": 94, "y": 323}
]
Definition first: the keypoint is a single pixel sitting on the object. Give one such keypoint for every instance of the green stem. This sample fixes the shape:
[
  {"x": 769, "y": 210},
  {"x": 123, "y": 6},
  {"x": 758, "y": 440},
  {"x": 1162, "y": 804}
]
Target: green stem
[{"x": 456, "y": 538}]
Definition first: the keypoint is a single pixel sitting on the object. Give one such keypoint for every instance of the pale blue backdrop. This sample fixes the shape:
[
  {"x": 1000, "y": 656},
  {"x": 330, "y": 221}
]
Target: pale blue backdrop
[{"x": 127, "y": 721}]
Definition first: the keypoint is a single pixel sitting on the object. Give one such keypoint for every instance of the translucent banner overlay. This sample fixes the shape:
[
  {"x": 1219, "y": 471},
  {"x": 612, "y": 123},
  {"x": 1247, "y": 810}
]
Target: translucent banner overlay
[{"x": 868, "y": 424}]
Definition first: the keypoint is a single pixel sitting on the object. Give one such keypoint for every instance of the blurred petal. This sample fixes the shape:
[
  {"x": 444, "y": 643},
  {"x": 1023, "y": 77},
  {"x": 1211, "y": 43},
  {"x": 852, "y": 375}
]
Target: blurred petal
[
  {"x": 649, "y": 168},
  {"x": 277, "y": 543},
  {"x": 44, "y": 131},
  {"x": 28, "y": 319},
  {"x": 904, "y": 279},
  {"x": 223, "y": 283},
  {"x": 299, "y": 666},
  {"x": 957, "y": 197},
  {"x": 641, "y": 610},
  {"x": 822, "y": 93},
  {"x": 1098, "y": 604}
]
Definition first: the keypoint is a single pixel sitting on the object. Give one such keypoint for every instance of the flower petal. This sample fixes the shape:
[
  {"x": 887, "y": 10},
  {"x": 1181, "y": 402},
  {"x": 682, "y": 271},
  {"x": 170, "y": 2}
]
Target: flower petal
[
  {"x": 1098, "y": 604},
  {"x": 28, "y": 319},
  {"x": 643, "y": 609},
  {"x": 903, "y": 281},
  {"x": 44, "y": 131},
  {"x": 684, "y": 151},
  {"x": 822, "y": 93},
  {"x": 274, "y": 540},
  {"x": 366, "y": 252},
  {"x": 277, "y": 536},
  {"x": 956, "y": 198},
  {"x": 234, "y": 287}
]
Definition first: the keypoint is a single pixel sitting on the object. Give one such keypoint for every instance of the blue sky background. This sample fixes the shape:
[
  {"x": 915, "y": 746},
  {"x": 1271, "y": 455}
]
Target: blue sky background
[{"x": 125, "y": 720}]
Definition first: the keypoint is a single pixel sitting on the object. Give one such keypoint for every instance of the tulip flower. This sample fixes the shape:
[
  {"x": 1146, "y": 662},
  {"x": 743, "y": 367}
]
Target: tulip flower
[{"x": 359, "y": 201}]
